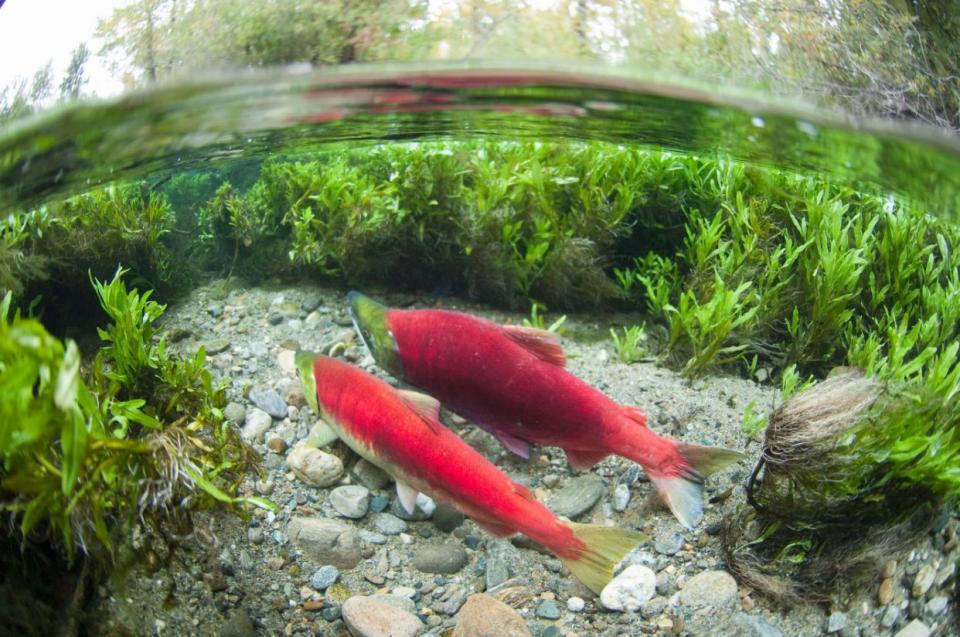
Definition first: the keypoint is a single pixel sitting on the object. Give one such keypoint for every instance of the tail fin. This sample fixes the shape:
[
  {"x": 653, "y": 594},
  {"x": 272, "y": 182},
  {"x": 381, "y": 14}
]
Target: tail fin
[
  {"x": 606, "y": 546},
  {"x": 682, "y": 490}
]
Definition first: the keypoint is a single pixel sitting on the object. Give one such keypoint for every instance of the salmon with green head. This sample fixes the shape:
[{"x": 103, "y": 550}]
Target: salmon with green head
[{"x": 511, "y": 381}]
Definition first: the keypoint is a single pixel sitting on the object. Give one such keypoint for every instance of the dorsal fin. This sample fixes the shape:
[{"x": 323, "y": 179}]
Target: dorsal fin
[
  {"x": 427, "y": 407},
  {"x": 635, "y": 414},
  {"x": 542, "y": 343}
]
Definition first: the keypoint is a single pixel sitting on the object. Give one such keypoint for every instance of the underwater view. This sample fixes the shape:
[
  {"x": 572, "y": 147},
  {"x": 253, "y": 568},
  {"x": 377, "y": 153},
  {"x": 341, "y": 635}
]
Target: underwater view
[{"x": 392, "y": 346}]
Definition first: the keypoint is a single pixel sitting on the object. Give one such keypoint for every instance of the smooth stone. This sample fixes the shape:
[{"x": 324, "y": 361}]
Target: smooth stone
[
  {"x": 924, "y": 580},
  {"x": 440, "y": 558},
  {"x": 389, "y": 524},
  {"x": 548, "y": 609},
  {"x": 351, "y": 501},
  {"x": 400, "y": 601},
  {"x": 937, "y": 605},
  {"x": 269, "y": 400},
  {"x": 235, "y": 413},
  {"x": 286, "y": 361},
  {"x": 325, "y": 541},
  {"x": 324, "y": 577},
  {"x": 379, "y": 503},
  {"x": 277, "y": 445},
  {"x": 885, "y": 592},
  {"x": 621, "y": 497},
  {"x": 216, "y": 346},
  {"x": 370, "y": 475},
  {"x": 238, "y": 624},
  {"x": 890, "y": 616},
  {"x": 258, "y": 349},
  {"x": 216, "y": 311},
  {"x": 628, "y": 590},
  {"x": 500, "y": 553},
  {"x": 668, "y": 542},
  {"x": 836, "y": 622},
  {"x": 484, "y": 616},
  {"x": 368, "y": 617},
  {"x": 446, "y": 519},
  {"x": 372, "y": 537},
  {"x": 576, "y": 604},
  {"x": 314, "y": 467},
  {"x": 256, "y": 423},
  {"x": 418, "y": 515},
  {"x": 577, "y": 496},
  {"x": 716, "y": 589},
  {"x": 294, "y": 396},
  {"x": 310, "y": 302},
  {"x": 653, "y": 608},
  {"x": 916, "y": 628}
]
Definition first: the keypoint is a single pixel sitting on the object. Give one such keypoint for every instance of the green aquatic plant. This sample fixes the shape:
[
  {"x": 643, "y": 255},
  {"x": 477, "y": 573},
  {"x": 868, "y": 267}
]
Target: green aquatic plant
[
  {"x": 538, "y": 319},
  {"x": 82, "y": 456},
  {"x": 631, "y": 347}
]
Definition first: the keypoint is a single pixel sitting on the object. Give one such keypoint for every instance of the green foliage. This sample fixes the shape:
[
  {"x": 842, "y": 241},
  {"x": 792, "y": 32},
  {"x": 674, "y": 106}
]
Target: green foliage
[
  {"x": 81, "y": 453},
  {"x": 538, "y": 319},
  {"x": 631, "y": 346}
]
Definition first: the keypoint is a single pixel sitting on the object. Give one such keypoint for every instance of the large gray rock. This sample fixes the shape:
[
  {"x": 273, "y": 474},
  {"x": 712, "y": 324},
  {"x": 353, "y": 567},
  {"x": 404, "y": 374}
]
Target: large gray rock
[
  {"x": 440, "y": 558},
  {"x": 325, "y": 541},
  {"x": 916, "y": 628},
  {"x": 370, "y": 475},
  {"x": 269, "y": 400},
  {"x": 716, "y": 589},
  {"x": 577, "y": 496},
  {"x": 367, "y": 617},
  {"x": 316, "y": 468}
]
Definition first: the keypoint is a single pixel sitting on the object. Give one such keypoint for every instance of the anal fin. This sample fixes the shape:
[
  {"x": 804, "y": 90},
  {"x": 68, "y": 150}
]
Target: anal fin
[
  {"x": 518, "y": 446},
  {"x": 580, "y": 459}
]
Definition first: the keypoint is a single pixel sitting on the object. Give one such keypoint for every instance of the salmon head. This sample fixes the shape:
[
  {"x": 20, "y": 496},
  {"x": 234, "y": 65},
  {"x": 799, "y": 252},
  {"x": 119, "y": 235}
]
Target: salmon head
[{"x": 370, "y": 320}]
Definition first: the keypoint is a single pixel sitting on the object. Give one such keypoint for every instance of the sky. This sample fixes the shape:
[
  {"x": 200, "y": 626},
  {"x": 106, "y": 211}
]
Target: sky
[{"x": 33, "y": 32}]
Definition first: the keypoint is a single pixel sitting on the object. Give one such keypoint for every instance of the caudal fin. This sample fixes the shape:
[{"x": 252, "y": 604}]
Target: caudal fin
[
  {"x": 682, "y": 487},
  {"x": 605, "y": 547}
]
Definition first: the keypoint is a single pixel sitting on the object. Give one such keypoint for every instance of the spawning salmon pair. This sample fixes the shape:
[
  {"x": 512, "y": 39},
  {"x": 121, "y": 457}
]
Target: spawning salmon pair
[{"x": 511, "y": 381}]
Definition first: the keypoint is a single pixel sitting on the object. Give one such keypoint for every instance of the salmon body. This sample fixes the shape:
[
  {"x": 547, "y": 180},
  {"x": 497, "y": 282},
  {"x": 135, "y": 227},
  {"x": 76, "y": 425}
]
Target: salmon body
[
  {"x": 401, "y": 433},
  {"x": 512, "y": 382}
]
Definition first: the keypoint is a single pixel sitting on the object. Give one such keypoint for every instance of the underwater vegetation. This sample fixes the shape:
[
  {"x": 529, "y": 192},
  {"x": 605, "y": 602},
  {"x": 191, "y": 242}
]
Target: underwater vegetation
[{"x": 89, "y": 448}]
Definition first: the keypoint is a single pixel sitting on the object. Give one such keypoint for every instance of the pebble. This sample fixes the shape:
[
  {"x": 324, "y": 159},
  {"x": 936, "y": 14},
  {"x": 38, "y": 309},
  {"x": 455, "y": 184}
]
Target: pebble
[
  {"x": 389, "y": 524},
  {"x": 716, "y": 589},
  {"x": 255, "y": 535},
  {"x": 631, "y": 588},
  {"x": 277, "y": 445},
  {"x": 269, "y": 401},
  {"x": 937, "y": 605},
  {"x": 500, "y": 552},
  {"x": 314, "y": 467},
  {"x": 294, "y": 396},
  {"x": 890, "y": 616},
  {"x": 924, "y": 580},
  {"x": 754, "y": 626},
  {"x": 446, "y": 519},
  {"x": 367, "y": 617},
  {"x": 370, "y": 475},
  {"x": 379, "y": 503},
  {"x": 371, "y": 537},
  {"x": 576, "y": 604},
  {"x": 484, "y": 616},
  {"x": 664, "y": 583},
  {"x": 235, "y": 413},
  {"x": 256, "y": 423},
  {"x": 440, "y": 558},
  {"x": 916, "y": 628},
  {"x": 286, "y": 361},
  {"x": 577, "y": 496},
  {"x": 216, "y": 346},
  {"x": 351, "y": 501},
  {"x": 885, "y": 592},
  {"x": 653, "y": 607},
  {"x": 324, "y": 577},
  {"x": 668, "y": 542},
  {"x": 621, "y": 497},
  {"x": 325, "y": 541},
  {"x": 400, "y": 601},
  {"x": 548, "y": 609},
  {"x": 889, "y": 568},
  {"x": 836, "y": 622}
]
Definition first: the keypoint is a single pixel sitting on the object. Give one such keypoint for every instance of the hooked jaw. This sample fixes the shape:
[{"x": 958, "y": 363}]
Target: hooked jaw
[{"x": 370, "y": 320}]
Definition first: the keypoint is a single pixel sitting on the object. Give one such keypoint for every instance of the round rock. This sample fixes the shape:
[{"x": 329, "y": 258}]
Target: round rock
[
  {"x": 366, "y": 617},
  {"x": 351, "y": 501},
  {"x": 484, "y": 616},
  {"x": 577, "y": 496},
  {"x": 548, "y": 609},
  {"x": 235, "y": 413},
  {"x": 389, "y": 524},
  {"x": 630, "y": 589},
  {"x": 621, "y": 497},
  {"x": 256, "y": 423},
  {"x": 324, "y": 577},
  {"x": 316, "y": 468},
  {"x": 440, "y": 558},
  {"x": 269, "y": 400},
  {"x": 715, "y": 589},
  {"x": 576, "y": 604}
]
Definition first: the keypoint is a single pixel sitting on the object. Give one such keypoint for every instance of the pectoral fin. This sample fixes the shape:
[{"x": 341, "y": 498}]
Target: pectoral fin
[
  {"x": 321, "y": 435},
  {"x": 516, "y": 445},
  {"x": 581, "y": 460},
  {"x": 427, "y": 407},
  {"x": 407, "y": 496},
  {"x": 542, "y": 343}
]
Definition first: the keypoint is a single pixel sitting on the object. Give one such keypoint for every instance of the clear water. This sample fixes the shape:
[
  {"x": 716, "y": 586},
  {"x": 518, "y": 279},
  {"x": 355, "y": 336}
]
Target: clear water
[{"x": 155, "y": 132}]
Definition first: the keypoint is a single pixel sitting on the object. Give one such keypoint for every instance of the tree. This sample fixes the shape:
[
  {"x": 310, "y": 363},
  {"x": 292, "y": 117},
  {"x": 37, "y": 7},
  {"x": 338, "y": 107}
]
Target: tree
[
  {"x": 23, "y": 96},
  {"x": 73, "y": 80}
]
